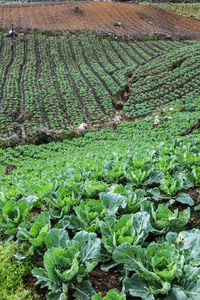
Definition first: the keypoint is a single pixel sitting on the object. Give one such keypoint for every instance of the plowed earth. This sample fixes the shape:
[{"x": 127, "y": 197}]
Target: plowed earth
[{"x": 137, "y": 20}]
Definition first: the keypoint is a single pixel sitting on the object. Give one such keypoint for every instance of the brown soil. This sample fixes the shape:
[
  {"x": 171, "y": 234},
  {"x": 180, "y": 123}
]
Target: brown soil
[
  {"x": 9, "y": 169},
  {"x": 196, "y": 125},
  {"x": 195, "y": 215},
  {"x": 194, "y": 221},
  {"x": 136, "y": 19},
  {"x": 29, "y": 283},
  {"x": 102, "y": 281}
]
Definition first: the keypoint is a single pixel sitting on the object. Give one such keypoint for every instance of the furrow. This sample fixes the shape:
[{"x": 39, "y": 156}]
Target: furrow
[{"x": 42, "y": 106}]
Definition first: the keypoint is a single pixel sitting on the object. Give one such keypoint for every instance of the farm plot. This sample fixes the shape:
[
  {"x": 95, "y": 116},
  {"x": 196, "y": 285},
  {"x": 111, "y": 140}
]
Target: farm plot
[
  {"x": 171, "y": 80},
  {"x": 62, "y": 81},
  {"x": 81, "y": 222},
  {"x": 137, "y": 20}
]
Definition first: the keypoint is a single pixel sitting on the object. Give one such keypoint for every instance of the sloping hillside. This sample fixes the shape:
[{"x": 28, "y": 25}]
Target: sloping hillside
[
  {"x": 136, "y": 19},
  {"x": 57, "y": 82}
]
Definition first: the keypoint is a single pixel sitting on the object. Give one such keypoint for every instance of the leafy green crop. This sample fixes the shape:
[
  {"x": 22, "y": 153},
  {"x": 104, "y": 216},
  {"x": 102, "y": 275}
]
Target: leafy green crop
[
  {"x": 111, "y": 295},
  {"x": 75, "y": 210},
  {"x": 168, "y": 268},
  {"x": 13, "y": 213},
  {"x": 89, "y": 213},
  {"x": 165, "y": 220},
  {"x": 67, "y": 262},
  {"x": 92, "y": 189},
  {"x": 34, "y": 233},
  {"x": 129, "y": 228}
]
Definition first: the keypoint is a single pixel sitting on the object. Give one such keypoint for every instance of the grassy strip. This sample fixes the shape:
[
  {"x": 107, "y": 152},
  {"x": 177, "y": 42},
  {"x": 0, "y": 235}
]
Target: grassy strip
[{"x": 191, "y": 10}]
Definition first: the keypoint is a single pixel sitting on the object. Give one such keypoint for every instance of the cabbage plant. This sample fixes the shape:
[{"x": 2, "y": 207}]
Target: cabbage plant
[{"x": 67, "y": 263}]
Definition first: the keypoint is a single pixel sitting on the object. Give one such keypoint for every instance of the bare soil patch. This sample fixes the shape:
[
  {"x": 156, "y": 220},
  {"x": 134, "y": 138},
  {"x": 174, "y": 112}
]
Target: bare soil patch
[
  {"x": 29, "y": 283},
  {"x": 137, "y": 20},
  {"x": 104, "y": 281},
  {"x": 194, "y": 221}
]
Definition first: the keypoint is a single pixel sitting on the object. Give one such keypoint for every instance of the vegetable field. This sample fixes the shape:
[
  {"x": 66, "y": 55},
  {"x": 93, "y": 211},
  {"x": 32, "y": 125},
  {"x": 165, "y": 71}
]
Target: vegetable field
[
  {"x": 172, "y": 79},
  {"x": 191, "y": 10},
  {"x": 114, "y": 213},
  {"x": 107, "y": 216},
  {"x": 61, "y": 81}
]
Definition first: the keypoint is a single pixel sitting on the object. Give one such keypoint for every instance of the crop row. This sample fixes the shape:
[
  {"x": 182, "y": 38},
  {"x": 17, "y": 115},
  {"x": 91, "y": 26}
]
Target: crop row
[
  {"x": 11, "y": 87},
  {"x": 190, "y": 9},
  {"x": 61, "y": 81},
  {"x": 164, "y": 81},
  {"x": 132, "y": 214}
]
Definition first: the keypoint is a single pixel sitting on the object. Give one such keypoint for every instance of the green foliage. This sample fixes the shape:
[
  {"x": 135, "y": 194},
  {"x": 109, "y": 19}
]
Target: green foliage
[
  {"x": 13, "y": 213},
  {"x": 111, "y": 295},
  {"x": 68, "y": 79},
  {"x": 69, "y": 264},
  {"x": 167, "y": 220},
  {"x": 191, "y": 10},
  {"x": 162, "y": 81},
  {"x": 92, "y": 189},
  {"x": 89, "y": 213},
  {"x": 129, "y": 228},
  {"x": 12, "y": 273},
  {"x": 168, "y": 267},
  {"x": 74, "y": 208},
  {"x": 34, "y": 233}
]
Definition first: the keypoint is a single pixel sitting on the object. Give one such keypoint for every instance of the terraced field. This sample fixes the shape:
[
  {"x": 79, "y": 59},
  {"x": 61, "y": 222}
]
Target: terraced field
[
  {"x": 137, "y": 20},
  {"x": 113, "y": 214},
  {"x": 61, "y": 81},
  {"x": 191, "y": 10},
  {"x": 173, "y": 79}
]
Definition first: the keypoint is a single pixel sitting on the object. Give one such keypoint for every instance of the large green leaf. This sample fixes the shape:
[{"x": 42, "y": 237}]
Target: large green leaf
[
  {"x": 128, "y": 255},
  {"x": 155, "y": 177},
  {"x": 136, "y": 287},
  {"x": 57, "y": 238},
  {"x": 83, "y": 291},
  {"x": 71, "y": 222},
  {"x": 176, "y": 293},
  {"x": 185, "y": 199},
  {"x": 187, "y": 179},
  {"x": 90, "y": 246},
  {"x": 155, "y": 193},
  {"x": 190, "y": 241},
  {"x": 41, "y": 275},
  {"x": 142, "y": 226},
  {"x": 31, "y": 201},
  {"x": 112, "y": 294},
  {"x": 113, "y": 201},
  {"x": 191, "y": 282}
]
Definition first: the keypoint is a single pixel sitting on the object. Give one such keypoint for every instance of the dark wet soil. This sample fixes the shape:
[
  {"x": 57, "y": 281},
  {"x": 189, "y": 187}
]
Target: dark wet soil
[
  {"x": 194, "y": 221},
  {"x": 29, "y": 283},
  {"x": 102, "y": 281}
]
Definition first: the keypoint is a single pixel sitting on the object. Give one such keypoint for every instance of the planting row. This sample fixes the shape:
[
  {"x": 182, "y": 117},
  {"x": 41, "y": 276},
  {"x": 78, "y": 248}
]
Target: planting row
[
  {"x": 132, "y": 214},
  {"x": 62, "y": 81},
  {"x": 164, "y": 81}
]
